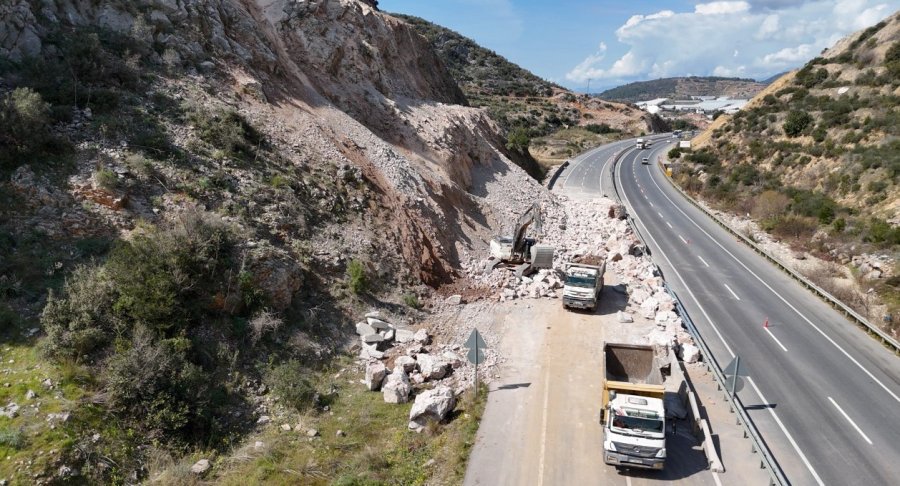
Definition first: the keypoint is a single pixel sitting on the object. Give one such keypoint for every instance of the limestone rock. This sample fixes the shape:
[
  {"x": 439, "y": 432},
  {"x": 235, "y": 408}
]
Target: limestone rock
[
  {"x": 690, "y": 353},
  {"x": 422, "y": 336},
  {"x": 403, "y": 335},
  {"x": 432, "y": 404},
  {"x": 375, "y": 373},
  {"x": 624, "y": 317},
  {"x": 364, "y": 329},
  {"x": 432, "y": 367},
  {"x": 200, "y": 467},
  {"x": 408, "y": 363},
  {"x": 396, "y": 388}
]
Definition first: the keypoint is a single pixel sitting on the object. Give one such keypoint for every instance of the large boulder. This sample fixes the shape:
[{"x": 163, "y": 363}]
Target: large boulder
[
  {"x": 433, "y": 404},
  {"x": 375, "y": 373},
  {"x": 378, "y": 323},
  {"x": 396, "y": 387},
  {"x": 364, "y": 329},
  {"x": 432, "y": 367},
  {"x": 421, "y": 336}
]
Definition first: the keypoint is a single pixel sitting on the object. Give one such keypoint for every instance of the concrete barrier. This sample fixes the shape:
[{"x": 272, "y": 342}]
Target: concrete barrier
[{"x": 715, "y": 464}]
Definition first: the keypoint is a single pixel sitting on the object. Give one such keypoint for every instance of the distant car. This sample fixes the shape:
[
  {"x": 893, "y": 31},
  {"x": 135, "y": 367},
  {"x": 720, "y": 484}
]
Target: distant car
[{"x": 645, "y": 160}]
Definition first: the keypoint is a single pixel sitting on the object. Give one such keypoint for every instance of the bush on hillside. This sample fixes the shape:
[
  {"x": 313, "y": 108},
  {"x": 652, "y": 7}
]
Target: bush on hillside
[
  {"x": 24, "y": 120},
  {"x": 796, "y": 122},
  {"x": 291, "y": 383},
  {"x": 518, "y": 140},
  {"x": 356, "y": 277}
]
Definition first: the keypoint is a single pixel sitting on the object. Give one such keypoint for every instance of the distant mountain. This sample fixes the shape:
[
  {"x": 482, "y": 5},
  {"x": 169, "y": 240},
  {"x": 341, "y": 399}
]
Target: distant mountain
[
  {"x": 683, "y": 87},
  {"x": 772, "y": 79}
]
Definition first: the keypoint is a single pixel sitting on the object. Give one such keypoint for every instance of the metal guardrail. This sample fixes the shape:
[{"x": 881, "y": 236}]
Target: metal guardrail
[
  {"x": 767, "y": 461},
  {"x": 558, "y": 171},
  {"x": 861, "y": 321}
]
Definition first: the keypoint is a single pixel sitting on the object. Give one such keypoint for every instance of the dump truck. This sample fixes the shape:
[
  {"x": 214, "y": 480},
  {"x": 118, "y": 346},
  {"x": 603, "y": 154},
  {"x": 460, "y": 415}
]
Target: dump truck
[
  {"x": 633, "y": 414},
  {"x": 641, "y": 143},
  {"x": 583, "y": 285}
]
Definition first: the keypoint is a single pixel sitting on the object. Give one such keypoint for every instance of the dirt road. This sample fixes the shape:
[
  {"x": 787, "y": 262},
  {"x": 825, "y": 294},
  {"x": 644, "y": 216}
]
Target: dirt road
[{"x": 541, "y": 422}]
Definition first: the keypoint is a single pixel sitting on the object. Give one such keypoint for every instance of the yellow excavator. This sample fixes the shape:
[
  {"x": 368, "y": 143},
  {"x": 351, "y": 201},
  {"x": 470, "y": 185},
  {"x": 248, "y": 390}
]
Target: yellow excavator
[{"x": 519, "y": 252}]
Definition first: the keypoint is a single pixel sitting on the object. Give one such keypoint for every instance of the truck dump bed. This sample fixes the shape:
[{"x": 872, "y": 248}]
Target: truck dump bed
[{"x": 631, "y": 363}]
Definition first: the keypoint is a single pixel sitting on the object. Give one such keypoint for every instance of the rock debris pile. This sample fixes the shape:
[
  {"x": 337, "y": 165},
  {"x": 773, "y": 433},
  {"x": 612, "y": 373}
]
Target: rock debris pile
[{"x": 400, "y": 361}]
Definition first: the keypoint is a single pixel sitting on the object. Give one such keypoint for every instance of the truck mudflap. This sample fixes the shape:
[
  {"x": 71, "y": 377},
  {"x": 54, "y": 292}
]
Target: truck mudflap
[{"x": 624, "y": 460}]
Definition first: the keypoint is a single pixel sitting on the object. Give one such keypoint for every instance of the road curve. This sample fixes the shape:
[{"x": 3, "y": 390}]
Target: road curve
[{"x": 825, "y": 396}]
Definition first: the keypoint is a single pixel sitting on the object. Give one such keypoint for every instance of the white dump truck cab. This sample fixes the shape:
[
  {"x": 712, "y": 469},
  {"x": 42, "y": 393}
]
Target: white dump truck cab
[
  {"x": 635, "y": 432},
  {"x": 582, "y": 286}
]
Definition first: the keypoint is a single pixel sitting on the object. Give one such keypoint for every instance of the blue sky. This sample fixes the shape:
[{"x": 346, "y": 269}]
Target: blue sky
[{"x": 612, "y": 43}]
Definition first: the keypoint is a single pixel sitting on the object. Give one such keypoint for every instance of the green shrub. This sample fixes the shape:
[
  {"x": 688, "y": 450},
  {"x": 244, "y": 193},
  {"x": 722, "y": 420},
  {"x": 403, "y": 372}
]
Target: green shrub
[
  {"x": 796, "y": 122},
  {"x": 356, "y": 275},
  {"x": 226, "y": 130},
  {"x": 13, "y": 438},
  {"x": 290, "y": 382},
  {"x": 24, "y": 118},
  {"x": 106, "y": 179},
  {"x": 81, "y": 320},
  {"x": 518, "y": 140},
  {"x": 674, "y": 153},
  {"x": 880, "y": 231},
  {"x": 411, "y": 300}
]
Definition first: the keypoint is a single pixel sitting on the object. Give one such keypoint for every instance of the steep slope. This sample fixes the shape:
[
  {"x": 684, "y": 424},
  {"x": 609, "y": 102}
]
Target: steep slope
[
  {"x": 815, "y": 158},
  {"x": 526, "y": 106},
  {"x": 684, "y": 87},
  {"x": 197, "y": 196}
]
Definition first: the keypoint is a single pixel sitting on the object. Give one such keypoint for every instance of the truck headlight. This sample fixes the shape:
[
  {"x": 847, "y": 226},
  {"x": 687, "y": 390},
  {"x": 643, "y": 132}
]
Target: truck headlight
[
  {"x": 661, "y": 453},
  {"x": 611, "y": 446}
]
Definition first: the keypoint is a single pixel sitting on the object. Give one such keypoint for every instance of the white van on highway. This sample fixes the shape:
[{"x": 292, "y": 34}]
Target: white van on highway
[{"x": 645, "y": 160}]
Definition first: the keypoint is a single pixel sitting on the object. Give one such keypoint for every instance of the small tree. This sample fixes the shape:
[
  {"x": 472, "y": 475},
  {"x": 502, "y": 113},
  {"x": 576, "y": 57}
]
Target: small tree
[
  {"x": 356, "y": 275},
  {"x": 796, "y": 122},
  {"x": 518, "y": 140}
]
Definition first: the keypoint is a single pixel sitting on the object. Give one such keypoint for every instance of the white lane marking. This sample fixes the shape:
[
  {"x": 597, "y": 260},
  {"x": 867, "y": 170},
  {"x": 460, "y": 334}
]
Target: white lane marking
[
  {"x": 583, "y": 157},
  {"x": 660, "y": 214},
  {"x": 788, "y": 434},
  {"x": 544, "y": 427},
  {"x": 651, "y": 204},
  {"x": 728, "y": 348},
  {"x": 677, "y": 273},
  {"x": 716, "y": 478},
  {"x": 707, "y": 264},
  {"x": 682, "y": 239},
  {"x": 775, "y": 338},
  {"x": 670, "y": 225},
  {"x": 729, "y": 289},
  {"x": 850, "y": 420},
  {"x": 627, "y": 480},
  {"x": 791, "y": 306}
]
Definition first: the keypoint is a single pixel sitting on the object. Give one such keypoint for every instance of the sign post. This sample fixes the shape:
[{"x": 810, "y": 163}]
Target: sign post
[{"x": 476, "y": 346}]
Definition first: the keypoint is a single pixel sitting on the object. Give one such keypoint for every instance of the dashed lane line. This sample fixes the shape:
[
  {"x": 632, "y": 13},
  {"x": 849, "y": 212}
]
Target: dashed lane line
[{"x": 850, "y": 420}]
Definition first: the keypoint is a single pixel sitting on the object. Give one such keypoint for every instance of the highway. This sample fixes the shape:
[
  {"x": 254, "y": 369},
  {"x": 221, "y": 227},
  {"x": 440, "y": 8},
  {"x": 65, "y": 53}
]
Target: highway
[{"x": 824, "y": 395}]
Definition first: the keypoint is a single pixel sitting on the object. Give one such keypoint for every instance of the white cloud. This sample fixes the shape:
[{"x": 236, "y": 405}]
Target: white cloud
[
  {"x": 718, "y": 8},
  {"x": 753, "y": 38}
]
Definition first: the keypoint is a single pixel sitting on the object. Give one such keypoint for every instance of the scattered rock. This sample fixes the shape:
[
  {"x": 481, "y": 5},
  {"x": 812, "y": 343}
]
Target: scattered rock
[
  {"x": 286, "y": 427},
  {"x": 264, "y": 420},
  {"x": 11, "y": 410},
  {"x": 375, "y": 373},
  {"x": 312, "y": 433},
  {"x": 432, "y": 367},
  {"x": 454, "y": 300},
  {"x": 259, "y": 445},
  {"x": 432, "y": 404},
  {"x": 408, "y": 363},
  {"x": 30, "y": 395},
  {"x": 340, "y": 433},
  {"x": 396, "y": 388},
  {"x": 58, "y": 417},
  {"x": 372, "y": 338},
  {"x": 690, "y": 353},
  {"x": 200, "y": 467},
  {"x": 429, "y": 463},
  {"x": 422, "y": 336},
  {"x": 378, "y": 324},
  {"x": 624, "y": 317},
  {"x": 364, "y": 329},
  {"x": 370, "y": 352},
  {"x": 403, "y": 335},
  {"x": 47, "y": 383}
]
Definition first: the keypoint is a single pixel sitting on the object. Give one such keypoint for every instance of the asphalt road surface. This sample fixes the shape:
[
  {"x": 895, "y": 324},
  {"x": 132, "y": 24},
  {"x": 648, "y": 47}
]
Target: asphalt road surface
[
  {"x": 824, "y": 395},
  {"x": 541, "y": 426}
]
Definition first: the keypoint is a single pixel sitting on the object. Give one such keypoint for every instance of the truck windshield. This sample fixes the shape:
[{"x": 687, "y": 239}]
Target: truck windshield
[
  {"x": 575, "y": 281},
  {"x": 637, "y": 423}
]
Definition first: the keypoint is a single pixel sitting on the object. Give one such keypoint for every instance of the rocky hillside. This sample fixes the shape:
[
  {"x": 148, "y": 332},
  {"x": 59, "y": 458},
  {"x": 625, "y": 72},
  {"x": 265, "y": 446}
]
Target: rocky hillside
[
  {"x": 526, "y": 106},
  {"x": 196, "y": 200},
  {"x": 815, "y": 157},
  {"x": 684, "y": 87}
]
